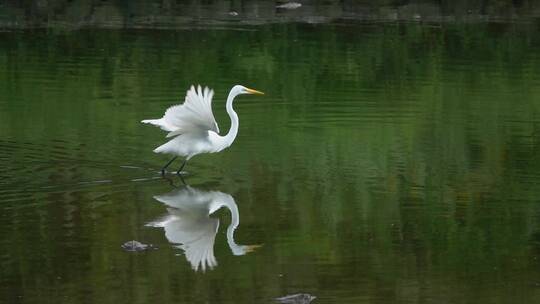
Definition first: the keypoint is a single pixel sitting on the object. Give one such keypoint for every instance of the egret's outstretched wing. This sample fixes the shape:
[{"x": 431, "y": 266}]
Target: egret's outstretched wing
[{"x": 194, "y": 115}]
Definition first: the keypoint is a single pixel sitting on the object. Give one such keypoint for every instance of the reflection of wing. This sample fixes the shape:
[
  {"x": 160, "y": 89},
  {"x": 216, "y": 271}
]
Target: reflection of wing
[
  {"x": 195, "y": 235},
  {"x": 189, "y": 199},
  {"x": 189, "y": 224},
  {"x": 194, "y": 115}
]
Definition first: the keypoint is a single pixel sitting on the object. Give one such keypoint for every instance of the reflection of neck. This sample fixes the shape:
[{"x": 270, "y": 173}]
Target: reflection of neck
[
  {"x": 228, "y": 202},
  {"x": 235, "y": 221}
]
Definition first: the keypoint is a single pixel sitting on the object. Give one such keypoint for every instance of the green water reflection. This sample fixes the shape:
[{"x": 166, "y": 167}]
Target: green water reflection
[{"x": 387, "y": 163}]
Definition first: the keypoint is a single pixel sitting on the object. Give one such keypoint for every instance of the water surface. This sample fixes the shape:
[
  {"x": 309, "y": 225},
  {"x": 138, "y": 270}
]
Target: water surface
[{"x": 388, "y": 162}]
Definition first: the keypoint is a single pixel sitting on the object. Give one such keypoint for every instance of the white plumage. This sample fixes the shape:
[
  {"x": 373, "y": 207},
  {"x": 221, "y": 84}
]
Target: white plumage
[
  {"x": 194, "y": 115},
  {"x": 189, "y": 225},
  {"x": 193, "y": 126}
]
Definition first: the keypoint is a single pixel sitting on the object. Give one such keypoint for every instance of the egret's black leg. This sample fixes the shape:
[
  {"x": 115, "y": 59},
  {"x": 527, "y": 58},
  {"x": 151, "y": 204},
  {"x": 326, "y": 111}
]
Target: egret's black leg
[
  {"x": 182, "y": 167},
  {"x": 163, "y": 169},
  {"x": 182, "y": 179}
]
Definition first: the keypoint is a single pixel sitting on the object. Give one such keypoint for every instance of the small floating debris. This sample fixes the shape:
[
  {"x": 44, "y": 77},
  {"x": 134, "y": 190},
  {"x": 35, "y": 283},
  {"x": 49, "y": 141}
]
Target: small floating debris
[
  {"x": 233, "y": 13},
  {"x": 299, "y": 298},
  {"x": 135, "y": 246},
  {"x": 290, "y": 5}
]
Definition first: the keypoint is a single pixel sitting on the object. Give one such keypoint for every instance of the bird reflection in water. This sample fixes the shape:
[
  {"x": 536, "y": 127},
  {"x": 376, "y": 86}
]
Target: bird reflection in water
[{"x": 189, "y": 225}]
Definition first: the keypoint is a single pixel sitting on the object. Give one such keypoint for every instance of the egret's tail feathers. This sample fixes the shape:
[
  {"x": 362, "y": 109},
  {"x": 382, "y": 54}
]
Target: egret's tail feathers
[
  {"x": 167, "y": 147},
  {"x": 159, "y": 149},
  {"x": 175, "y": 147}
]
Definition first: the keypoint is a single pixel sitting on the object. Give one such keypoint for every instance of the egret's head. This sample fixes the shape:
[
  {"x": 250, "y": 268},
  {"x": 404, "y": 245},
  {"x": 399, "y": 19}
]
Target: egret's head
[{"x": 243, "y": 90}]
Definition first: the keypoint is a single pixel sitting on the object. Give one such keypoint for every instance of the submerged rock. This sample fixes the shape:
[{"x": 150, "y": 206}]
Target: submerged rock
[
  {"x": 136, "y": 246},
  {"x": 299, "y": 298}
]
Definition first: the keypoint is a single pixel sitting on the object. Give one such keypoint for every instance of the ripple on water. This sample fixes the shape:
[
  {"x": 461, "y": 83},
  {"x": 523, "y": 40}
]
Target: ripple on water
[{"x": 30, "y": 169}]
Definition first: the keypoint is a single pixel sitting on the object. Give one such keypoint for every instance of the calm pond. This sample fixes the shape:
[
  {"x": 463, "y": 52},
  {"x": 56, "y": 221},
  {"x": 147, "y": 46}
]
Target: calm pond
[{"x": 388, "y": 162}]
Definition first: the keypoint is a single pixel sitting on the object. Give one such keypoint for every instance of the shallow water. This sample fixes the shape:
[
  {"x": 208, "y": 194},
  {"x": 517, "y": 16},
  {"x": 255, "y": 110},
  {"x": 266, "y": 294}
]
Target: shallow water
[{"x": 387, "y": 163}]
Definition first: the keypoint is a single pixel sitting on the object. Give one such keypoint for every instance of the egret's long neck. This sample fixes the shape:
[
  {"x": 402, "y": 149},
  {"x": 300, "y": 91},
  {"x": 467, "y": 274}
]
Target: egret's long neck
[{"x": 233, "y": 131}]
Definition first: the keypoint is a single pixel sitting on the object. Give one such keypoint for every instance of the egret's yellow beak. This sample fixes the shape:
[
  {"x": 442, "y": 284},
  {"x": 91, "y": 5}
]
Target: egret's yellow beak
[{"x": 250, "y": 91}]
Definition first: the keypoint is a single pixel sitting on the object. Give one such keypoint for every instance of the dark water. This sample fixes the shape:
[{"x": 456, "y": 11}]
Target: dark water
[{"x": 387, "y": 163}]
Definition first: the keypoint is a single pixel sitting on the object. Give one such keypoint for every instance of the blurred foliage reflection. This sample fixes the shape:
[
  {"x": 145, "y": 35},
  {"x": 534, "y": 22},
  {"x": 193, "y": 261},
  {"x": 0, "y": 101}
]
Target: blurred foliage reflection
[{"x": 389, "y": 162}]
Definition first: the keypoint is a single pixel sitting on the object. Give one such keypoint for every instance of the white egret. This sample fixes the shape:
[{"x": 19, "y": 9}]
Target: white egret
[
  {"x": 193, "y": 126},
  {"x": 188, "y": 224}
]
